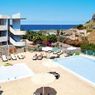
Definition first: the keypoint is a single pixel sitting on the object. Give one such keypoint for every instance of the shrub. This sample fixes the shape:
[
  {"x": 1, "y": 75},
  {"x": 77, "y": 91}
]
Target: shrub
[
  {"x": 88, "y": 47},
  {"x": 80, "y": 27}
]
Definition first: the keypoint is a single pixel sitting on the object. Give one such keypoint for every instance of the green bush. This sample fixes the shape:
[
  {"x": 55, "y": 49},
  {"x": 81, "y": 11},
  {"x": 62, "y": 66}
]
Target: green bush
[
  {"x": 80, "y": 27},
  {"x": 90, "y": 30},
  {"x": 77, "y": 53},
  {"x": 88, "y": 47},
  {"x": 38, "y": 37},
  {"x": 52, "y": 38}
]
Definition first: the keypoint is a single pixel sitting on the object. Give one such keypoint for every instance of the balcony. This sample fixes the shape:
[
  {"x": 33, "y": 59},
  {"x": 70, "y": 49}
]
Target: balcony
[
  {"x": 3, "y": 38},
  {"x": 17, "y": 32},
  {"x": 16, "y": 43},
  {"x": 3, "y": 27}
]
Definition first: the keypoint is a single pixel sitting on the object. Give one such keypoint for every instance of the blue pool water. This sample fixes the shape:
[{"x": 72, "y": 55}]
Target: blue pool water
[{"x": 80, "y": 65}]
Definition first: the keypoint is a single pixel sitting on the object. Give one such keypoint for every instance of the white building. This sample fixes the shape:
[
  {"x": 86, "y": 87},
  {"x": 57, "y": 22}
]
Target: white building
[{"x": 10, "y": 30}]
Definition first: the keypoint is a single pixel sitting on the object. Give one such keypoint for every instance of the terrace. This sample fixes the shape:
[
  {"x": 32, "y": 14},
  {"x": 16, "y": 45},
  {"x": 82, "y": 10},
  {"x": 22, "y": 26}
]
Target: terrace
[{"x": 12, "y": 87}]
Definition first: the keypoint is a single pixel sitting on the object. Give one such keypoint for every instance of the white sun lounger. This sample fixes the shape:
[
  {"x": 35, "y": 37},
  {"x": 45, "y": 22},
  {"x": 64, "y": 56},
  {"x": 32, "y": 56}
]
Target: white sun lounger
[
  {"x": 4, "y": 58},
  {"x": 34, "y": 57},
  {"x": 13, "y": 57},
  {"x": 20, "y": 56}
]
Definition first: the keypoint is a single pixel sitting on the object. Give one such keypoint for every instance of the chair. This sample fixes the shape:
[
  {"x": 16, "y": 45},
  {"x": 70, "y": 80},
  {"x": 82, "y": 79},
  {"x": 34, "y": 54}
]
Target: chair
[
  {"x": 13, "y": 57},
  {"x": 4, "y": 58}
]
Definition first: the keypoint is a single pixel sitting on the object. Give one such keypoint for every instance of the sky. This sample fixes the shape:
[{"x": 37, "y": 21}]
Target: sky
[{"x": 50, "y": 11}]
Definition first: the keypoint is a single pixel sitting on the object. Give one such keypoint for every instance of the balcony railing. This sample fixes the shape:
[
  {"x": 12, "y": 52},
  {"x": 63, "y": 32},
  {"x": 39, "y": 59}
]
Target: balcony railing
[
  {"x": 17, "y": 32},
  {"x": 15, "y": 43},
  {"x": 3, "y": 27},
  {"x": 3, "y": 38}
]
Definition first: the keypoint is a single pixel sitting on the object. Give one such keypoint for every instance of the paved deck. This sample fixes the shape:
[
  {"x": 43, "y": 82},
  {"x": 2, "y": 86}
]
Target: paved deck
[{"x": 67, "y": 84}]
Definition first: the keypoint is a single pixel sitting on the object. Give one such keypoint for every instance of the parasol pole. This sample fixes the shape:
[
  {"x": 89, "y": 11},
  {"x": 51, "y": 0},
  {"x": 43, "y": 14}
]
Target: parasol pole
[{"x": 43, "y": 90}]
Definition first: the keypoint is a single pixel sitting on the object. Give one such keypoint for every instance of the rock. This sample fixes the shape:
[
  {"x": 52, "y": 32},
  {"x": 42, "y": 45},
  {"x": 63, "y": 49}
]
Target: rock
[
  {"x": 91, "y": 37},
  {"x": 77, "y": 42}
]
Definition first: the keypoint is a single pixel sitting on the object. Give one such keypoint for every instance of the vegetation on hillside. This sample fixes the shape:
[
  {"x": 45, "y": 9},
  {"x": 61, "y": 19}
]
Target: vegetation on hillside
[
  {"x": 40, "y": 38},
  {"x": 89, "y": 25},
  {"x": 87, "y": 46},
  {"x": 80, "y": 27}
]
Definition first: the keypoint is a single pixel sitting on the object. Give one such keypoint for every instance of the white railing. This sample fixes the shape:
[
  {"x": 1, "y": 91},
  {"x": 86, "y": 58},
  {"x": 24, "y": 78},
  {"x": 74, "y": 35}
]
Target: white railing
[
  {"x": 17, "y": 32},
  {"x": 19, "y": 44},
  {"x": 3, "y": 27},
  {"x": 3, "y": 38}
]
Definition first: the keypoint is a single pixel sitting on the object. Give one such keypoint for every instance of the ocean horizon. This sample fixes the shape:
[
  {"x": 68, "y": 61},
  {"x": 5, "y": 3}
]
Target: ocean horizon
[{"x": 46, "y": 27}]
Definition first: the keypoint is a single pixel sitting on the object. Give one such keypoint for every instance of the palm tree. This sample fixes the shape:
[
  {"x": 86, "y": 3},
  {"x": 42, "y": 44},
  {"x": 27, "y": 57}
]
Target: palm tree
[{"x": 58, "y": 35}]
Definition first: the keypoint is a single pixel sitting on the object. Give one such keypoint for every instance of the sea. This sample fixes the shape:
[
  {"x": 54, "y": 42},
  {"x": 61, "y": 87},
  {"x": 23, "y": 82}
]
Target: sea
[{"x": 46, "y": 27}]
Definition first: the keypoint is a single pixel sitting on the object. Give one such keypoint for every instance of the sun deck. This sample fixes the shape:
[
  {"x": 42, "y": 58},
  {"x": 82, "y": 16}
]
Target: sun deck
[{"x": 67, "y": 84}]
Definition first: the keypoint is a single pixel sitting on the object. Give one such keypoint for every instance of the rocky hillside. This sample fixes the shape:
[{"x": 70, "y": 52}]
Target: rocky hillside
[
  {"x": 90, "y": 25},
  {"x": 91, "y": 37},
  {"x": 73, "y": 37}
]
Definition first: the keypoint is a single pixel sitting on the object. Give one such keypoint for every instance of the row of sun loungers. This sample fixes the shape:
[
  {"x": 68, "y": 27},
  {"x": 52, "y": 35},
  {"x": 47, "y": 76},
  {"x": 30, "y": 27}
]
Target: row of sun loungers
[
  {"x": 50, "y": 55},
  {"x": 12, "y": 56},
  {"x": 37, "y": 57},
  {"x": 41, "y": 56}
]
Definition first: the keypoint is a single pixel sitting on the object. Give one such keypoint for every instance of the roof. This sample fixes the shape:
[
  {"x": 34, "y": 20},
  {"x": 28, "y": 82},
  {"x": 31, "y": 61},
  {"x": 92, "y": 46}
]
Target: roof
[
  {"x": 4, "y": 17},
  {"x": 17, "y": 16}
]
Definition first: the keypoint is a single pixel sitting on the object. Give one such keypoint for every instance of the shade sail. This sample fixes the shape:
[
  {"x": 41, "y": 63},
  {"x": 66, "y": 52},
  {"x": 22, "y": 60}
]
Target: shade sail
[
  {"x": 46, "y": 48},
  {"x": 71, "y": 48},
  {"x": 43, "y": 79}
]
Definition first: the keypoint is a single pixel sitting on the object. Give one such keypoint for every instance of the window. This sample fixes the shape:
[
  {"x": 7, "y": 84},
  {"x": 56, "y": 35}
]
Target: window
[{"x": 2, "y": 22}]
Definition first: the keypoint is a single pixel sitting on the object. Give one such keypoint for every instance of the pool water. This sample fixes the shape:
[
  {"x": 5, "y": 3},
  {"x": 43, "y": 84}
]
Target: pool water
[
  {"x": 81, "y": 65},
  {"x": 14, "y": 72}
]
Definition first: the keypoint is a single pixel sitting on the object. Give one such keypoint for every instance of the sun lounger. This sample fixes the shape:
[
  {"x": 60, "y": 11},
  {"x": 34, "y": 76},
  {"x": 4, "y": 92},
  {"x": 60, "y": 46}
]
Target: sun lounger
[
  {"x": 20, "y": 56},
  {"x": 65, "y": 55},
  {"x": 56, "y": 52},
  {"x": 4, "y": 58},
  {"x": 61, "y": 52},
  {"x": 51, "y": 56},
  {"x": 56, "y": 56},
  {"x": 13, "y": 57},
  {"x": 40, "y": 57},
  {"x": 44, "y": 55},
  {"x": 35, "y": 57}
]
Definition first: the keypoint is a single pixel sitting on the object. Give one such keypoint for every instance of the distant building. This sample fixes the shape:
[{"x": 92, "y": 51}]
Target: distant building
[{"x": 10, "y": 30}]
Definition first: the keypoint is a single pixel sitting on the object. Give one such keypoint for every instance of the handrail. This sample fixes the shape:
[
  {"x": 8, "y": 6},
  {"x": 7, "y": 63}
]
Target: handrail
[
  {"x": 3, "y": 38},
  {"x": 3, "y": 27}
]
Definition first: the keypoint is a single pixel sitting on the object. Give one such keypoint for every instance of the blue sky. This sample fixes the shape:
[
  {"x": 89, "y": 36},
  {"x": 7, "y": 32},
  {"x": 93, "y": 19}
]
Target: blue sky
[{"x": 50, "y": 11}]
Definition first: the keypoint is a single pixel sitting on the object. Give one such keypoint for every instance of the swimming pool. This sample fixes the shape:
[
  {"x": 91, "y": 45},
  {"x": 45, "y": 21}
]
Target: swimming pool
[
  {"x": 83, "y": 66},
  {"x": 14, "y": 72}
]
